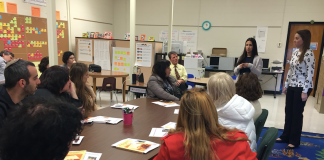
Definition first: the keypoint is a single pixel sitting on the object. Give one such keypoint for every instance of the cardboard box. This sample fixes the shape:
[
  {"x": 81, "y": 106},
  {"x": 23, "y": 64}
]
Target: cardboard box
[
  {"x": 319, "y": 106},
  {"x": 222, "y": 52}
]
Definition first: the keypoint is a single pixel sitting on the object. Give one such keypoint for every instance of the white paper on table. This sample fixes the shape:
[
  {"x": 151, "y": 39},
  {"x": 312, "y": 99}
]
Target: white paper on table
[
  {"x": 159, "y": 132},
  {"x": 176, "y": 111},
  {"x": 103, "y": 119},
  {"x": 78, "y": 141},
  {"x": 92, "y": 156},
  {"x": 153, "y": 145},
  {"x": 121, "y": 105},
  {"x": 166, "y": 104},
  {"x": 85, "y": 50},
  {"x": 170, "y": 125}
]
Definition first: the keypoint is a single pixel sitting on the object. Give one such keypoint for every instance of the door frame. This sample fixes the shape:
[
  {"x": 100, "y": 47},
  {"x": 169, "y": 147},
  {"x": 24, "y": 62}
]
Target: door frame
[{"x": 286, "y": 49}]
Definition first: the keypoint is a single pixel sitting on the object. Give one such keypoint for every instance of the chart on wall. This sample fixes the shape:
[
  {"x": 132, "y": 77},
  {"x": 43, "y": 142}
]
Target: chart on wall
[
  {"x": 101, "y": 54},
  {"x": 121, "y": 59},
  {"x": 164, "y": 35},
  {"x": 190, "y": 36},
  {"x": 85, "y": 50},
  {"x": 143, "y": 54}
]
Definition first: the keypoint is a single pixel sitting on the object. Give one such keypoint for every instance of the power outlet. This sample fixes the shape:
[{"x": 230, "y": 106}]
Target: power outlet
[{"x": 279, "y": 44}]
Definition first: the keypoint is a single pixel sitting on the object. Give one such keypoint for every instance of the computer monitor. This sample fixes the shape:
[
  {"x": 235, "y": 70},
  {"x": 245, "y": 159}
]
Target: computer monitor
[
  {"x": 265, "y": 63},
  {"x": 235, "y": 61},
  {"x": 214, "y": 61}
]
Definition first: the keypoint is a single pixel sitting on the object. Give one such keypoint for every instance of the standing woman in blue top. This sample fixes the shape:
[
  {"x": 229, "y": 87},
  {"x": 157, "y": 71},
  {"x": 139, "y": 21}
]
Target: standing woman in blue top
[
  {"x": 249, "y": 61},
  {"x": 298, "y": 86}
]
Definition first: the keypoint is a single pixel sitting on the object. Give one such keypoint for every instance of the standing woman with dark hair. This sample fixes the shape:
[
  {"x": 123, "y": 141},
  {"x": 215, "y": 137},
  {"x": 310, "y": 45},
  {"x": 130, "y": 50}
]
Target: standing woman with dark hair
[
  {"x": 79, "y": 75},
  {"x": 68, "y": 59},
  {"x": 249, "y": 61},
  {"x": 298, "y": 86},
  {"x": 161, "y": 85}
]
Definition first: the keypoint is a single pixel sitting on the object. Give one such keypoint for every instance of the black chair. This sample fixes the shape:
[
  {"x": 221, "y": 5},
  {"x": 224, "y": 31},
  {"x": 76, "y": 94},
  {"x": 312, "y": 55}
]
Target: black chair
[{"x": 259, "y": 123}]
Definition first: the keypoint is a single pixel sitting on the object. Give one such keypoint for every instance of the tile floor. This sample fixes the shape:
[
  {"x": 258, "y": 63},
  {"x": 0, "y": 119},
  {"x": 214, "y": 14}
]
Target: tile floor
[{"x": 313, "y": 121}]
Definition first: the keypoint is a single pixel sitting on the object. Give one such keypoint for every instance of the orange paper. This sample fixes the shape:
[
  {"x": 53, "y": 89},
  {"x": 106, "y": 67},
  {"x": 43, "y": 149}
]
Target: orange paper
[
  {"x": 58, "y": 17},
  {"x": 115, "y": 63},
  {"x": 35, "y": 11},
  {"x": 127, "y": 53},
  {"x": 12, "y": 8},
  {"x": 118, "y": 64},
  {"x": 121, "y": 58}
]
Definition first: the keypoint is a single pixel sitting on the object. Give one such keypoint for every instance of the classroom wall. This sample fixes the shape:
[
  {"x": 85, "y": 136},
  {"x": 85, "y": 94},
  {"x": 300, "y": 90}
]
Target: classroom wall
[
  {"x": 99, "y": 12},
  {"x": 233, "y": 22}
]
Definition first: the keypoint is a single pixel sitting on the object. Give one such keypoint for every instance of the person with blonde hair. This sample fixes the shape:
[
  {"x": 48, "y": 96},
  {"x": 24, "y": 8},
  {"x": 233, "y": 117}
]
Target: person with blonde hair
[
  {"x": 79, "y": 75},
  {"x": 198, "y": 135},
  {"x": 234, "y": 111}
]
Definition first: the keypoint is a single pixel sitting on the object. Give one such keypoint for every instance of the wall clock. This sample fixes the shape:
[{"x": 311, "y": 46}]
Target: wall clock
[{"x": 206, "y": 25}]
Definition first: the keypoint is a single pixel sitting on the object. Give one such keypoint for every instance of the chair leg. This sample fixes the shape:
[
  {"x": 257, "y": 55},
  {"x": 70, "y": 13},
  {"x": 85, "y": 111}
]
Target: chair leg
[
  {"x": 116, "y": 95},
  {"x": 100, "y": 98}
]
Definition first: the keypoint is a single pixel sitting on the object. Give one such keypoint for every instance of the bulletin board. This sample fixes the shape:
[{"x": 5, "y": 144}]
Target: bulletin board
[
  {"x": 62, "y": 39},
  {"x": 26, "y": 36},
  {"x": 147, "y": 71}
]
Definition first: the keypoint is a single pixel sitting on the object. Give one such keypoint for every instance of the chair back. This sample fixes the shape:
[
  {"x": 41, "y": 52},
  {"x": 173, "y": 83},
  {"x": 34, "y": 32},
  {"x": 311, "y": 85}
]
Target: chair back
[
  {"x": 267, "y": 142},
  {"x": 259, "y": 123},
  {"x": 111, "y": 81},
  {"x": 190, "y": 83}
]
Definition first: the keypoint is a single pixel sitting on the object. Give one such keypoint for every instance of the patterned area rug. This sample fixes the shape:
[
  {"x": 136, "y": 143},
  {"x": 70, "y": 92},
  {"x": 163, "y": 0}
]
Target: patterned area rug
[{"x": 311, "y": 147}]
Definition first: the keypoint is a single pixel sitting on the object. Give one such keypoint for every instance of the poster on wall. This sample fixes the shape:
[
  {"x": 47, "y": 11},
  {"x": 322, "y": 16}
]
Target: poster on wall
[
  {"x": 85, "y": 47},
  {"x": 38, "y": 2},
  {"x": 190, "y": 36},
  {"x": 121, "y": 59},
  {"x": 313, "y": 45},
  {"x": 143, "y": 54},
  {"x": 164, "y": 35},
  {"x": 261, "y": 38},
  {"x": 101, "y": 54}
]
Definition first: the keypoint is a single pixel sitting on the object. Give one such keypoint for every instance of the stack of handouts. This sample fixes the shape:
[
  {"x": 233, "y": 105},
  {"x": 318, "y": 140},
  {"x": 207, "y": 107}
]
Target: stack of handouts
[
  {"x": 141, "y": 146},
  {"x": 121, "y": 105},
  {"x": 82, "y": 155},
  {"x": 166, "y": 103},
  {"x": 102, "y": 119}
]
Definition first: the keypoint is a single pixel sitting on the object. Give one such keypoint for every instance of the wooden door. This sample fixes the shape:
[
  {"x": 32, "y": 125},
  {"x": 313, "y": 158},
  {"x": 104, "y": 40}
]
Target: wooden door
[{"x": 317, "y": 36}]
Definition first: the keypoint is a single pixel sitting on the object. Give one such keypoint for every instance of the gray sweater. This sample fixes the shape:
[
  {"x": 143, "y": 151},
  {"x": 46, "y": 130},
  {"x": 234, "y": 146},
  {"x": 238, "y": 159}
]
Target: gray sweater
[
  {"x": 255, "y": 68},
  {"x": 155, "y": 89}
]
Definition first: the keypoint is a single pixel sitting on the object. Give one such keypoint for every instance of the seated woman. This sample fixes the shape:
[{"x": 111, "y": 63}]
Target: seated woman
[
  {"x": 43, "y": 65},
  {"x": 249, "y": 87},
  {"x": 198, "y": 134},
  {"x": 161, "y": 85},
  {"x": 68, "y": 59},
  {"x": 79, "y": 75},
  {"x": 55, "y": 83},
  {"x": 233, "y": 110}
]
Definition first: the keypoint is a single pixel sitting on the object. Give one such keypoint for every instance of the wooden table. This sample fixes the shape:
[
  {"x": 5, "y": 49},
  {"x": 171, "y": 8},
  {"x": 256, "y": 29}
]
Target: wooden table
[
  {"x": 138, "y": 89},
  {"x": 99, "y": 137},
  {"x": 107, "y": 74},
  {"x": 199, "y": 81}
]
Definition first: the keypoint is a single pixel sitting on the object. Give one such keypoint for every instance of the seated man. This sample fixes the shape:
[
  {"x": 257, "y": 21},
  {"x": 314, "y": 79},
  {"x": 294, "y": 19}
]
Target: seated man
[
  {"x": 41, "y": 129},
  {"x": 178, "y": 71},
  {"x": 21, "y": 80},
  {"x": 5, "y": 57}
]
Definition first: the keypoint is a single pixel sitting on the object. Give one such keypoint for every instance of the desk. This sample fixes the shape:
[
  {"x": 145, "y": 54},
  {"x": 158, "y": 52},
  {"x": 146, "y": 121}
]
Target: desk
[
  {"x": 107, "y": 74},
  {"x": 199, "y": 81},
  {"x": 275, "y": 75},
  {"x": 138, "y": 89},
  {"x": 99, "y": 137}
]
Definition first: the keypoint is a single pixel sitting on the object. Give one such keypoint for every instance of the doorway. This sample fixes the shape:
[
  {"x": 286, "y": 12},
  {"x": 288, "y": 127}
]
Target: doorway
[{"x": 317, "y": 31}]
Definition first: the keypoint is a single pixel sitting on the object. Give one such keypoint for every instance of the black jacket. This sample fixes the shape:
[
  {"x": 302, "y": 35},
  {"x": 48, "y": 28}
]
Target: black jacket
[
  {"x": 65, "y": 97},
  {"x": 5, "y": 103}
]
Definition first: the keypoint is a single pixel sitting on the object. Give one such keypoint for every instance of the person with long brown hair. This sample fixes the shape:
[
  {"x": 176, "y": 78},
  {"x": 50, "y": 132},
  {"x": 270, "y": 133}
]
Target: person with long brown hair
[
  {"x": 198, "y": 135},
  {"x": 249, "y": 87},
  {"x": 79, "y": 74},
  {"x": 249, "y": 61},
  {"x": 298, "y": 86}
]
